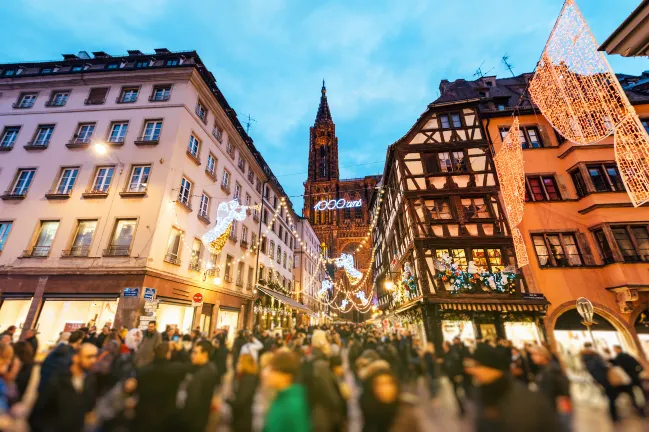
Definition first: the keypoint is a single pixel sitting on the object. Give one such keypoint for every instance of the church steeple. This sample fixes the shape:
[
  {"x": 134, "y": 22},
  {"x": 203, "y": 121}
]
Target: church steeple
[{"x": 324, "y": 115}]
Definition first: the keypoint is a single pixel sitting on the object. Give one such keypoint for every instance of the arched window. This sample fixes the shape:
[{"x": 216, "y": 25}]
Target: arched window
[
  {"x": 323, "y": 169},
  {"x": 322, "y": 151}
]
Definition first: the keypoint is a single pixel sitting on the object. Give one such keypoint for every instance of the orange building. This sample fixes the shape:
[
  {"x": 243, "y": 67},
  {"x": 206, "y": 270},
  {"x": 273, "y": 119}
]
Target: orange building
[{"x": 583, "y": 236}]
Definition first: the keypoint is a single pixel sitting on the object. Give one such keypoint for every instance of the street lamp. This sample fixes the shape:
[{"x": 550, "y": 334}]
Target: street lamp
[
  {"x": 389, "y": 284},
  {"x": 102, "y": 149},
  {"x": 585, "y": 309}
]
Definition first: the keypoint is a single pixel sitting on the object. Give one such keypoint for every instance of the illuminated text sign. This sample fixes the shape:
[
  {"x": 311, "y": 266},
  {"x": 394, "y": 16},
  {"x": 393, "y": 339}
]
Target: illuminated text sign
[{"x": 336, "y": 204}]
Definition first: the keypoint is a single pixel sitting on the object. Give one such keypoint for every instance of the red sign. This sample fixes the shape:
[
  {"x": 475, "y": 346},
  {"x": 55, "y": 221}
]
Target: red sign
[{"x": 198, "y": 298}]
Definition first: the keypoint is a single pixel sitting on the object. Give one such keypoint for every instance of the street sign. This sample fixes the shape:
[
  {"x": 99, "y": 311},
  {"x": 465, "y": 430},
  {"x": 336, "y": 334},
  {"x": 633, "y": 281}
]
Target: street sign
[
  {"x": 149, "y": 294},
  {"x": 197, "y": 300},
  {"x": 533, "y": 296},
  {"x": 131, "y": 292}
]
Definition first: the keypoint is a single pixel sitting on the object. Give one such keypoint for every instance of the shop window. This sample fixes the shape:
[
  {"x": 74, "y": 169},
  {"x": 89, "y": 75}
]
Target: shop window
[
  {"x": 5, "y": 229},
  {"x": 604, "y": 246},
  {"x": 44, "y": 238},
  {"x": 541, "y": 188},
  {"x": 580, "y": 184},
  {"x": 83, "y": 237},
  {"x": 633, "y": 242},
  {"x": 557, "y": 250},
  {"x": 120, "y": 242}
]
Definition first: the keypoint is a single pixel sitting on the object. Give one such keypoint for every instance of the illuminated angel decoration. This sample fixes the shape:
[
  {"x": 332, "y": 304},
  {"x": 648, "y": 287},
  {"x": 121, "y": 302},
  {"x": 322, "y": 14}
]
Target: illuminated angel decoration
[
  {"x": 344, "y": 303},
  {"x": 226, "y": 213},
  {"x": 347, "y": 262},
  {"x": 361, "y": 296},
  {"x": 326, "y": 286}
]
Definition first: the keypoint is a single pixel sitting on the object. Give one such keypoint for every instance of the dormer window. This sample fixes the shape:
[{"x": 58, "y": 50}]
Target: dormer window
[
  {"x": 142, "y": 64},
  {"x": 10, "y": 72},
  {"x": 46, "y": 70},
  {"x": 172, "y": 62},
  {"x": 112, "y": 66}
]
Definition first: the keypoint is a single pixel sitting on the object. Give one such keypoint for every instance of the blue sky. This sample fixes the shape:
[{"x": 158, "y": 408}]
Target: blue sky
[{"x": 382, "y": 60}]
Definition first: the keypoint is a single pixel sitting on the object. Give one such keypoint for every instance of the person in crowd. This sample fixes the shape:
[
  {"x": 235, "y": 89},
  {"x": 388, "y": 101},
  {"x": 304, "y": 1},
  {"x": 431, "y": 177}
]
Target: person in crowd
[
  {"x": 101, "y": 337},
  {"x": 503, "y": 404},
  {"x": 196, "y": 335},
  {"x": 431, "y": 367},
  {"x": 24, "y": 352},
  {"x": 107, "y": 361},
  {"x": 601, "y": 372},
  {"x": 201, "y": 389},
  {"x": 244, "y": 389},
  {"x": 354, "y": 351},
  {"x": 239, "y": 342},
  {"x": 67, "y": 399},
  {"x": 453, "y": 365},
  {"x": 10, "y": 331},
  {"x": 61, "y": 357},
  {"x": 384, "y": 410},
  {"x": 630, "y": 365},
  {"x": 519, "y": 366},
  {"x": 150, "y": 339},
  {"x": 252, "y": 347},
  {"x": 220, "y": 356},
  {"x": 288, "y": 411},
  {"x": 91, "y": 336},
  {"x": 554, "y": 385},
  {"x": 182, "y": 349},
  {"x": 30, "y": 337},
  {"x": 169, "y": 333}
]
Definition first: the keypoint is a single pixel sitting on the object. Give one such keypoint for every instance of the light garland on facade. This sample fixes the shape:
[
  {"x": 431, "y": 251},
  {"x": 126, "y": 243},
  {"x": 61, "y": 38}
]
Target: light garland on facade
[
  {"x": 511, "y": 174},
  {"x": 579, "y": 94}
]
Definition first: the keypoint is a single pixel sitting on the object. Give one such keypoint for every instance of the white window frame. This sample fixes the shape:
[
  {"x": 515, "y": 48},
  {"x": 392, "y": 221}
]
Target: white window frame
[
  {"x": 5, "y": 230},
  {"x": 121, "y": 127},
  {"x": 9, "y": 136},
  {"x": 225, "y": 180},
  {"x": 129, "y": 94},
  {"x": 237, "y": 191},
  {"x": 103, "y": 178},
  {"x": 22, "y": 184},
  {"x": 211, "y": 164},
  {"x": 85, "y": 132},
  {"x": 61, "y": 96},
  {"x": 27, "y": 100},
  {"x": 152, "y": 130},
  {"x": 163, "y": 91},
  {"x": 201, "y": 111},
  {"x": 204, "y": 207},
  {"x": 138, "y": 172},
  {"x": 185, "y": 191},
  {"x": 66, "y": 181},
  {"x": 194, "y": 145},
  {"x": 43, "y": 135}
]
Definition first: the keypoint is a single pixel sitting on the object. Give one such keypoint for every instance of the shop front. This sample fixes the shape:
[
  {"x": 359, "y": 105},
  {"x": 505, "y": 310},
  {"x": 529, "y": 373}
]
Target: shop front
[
  {"x": 13, "y": 312},
  {"x": 641, "y": 328},
  {"x": 228, "y": 319},
  {"x": 176, "y": 314},
  {"x": 69, "y": 314},
  {"x": 273, "y": 310}
]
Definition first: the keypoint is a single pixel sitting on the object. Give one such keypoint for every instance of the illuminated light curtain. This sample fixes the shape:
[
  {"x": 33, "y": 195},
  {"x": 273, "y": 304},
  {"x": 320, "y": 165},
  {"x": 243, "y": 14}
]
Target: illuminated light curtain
[
  {"x": 511, "y": 174},
  {"x": 578, "y": 93}
]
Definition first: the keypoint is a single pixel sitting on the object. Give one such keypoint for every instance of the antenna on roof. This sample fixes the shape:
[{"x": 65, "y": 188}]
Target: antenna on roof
[
  {"x": 478, "y": 72},
  {"x": 248, "y": 122},
  {"x": 508, "y": 65}
]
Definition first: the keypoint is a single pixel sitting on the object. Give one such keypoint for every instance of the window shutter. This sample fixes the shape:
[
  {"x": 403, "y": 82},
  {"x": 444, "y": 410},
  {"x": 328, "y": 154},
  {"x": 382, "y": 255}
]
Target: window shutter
[
  {"x": 545, "y": 137},
  {"x": 585, "y": 249}
]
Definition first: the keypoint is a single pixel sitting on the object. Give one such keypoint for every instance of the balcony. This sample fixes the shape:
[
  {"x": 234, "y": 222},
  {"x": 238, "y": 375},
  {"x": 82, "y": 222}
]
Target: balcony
[
  {"x": 36, "y": 145},
  {"x": 95, "y": 193},
  {"x": 195, "y": 266},
  {"x": 6, "y": 148},
  {"x": 54, "y": 103},
  {"x": 239, "y": 282},
  {"x": 172, "y": 258},
  {"x": 194, "y": 157},
  {"x": 76, "y": 251},
  {"x": 244, "y": 244},
  {"x": 255, "y": 217},
  {"x": 133, "y": 191},
  {"x": 213, "y": 272},
  {"x": 58, "y": 194},
  {"x": 16, "y": 194},
  {"x": 78, "y": 142},
  {"x": 37, "y": 252},
  {"x": 186, "y": 205},
  {"x": 233, "y": 237},
  {"x": 147, "y": 140},
  {"x": 117, "y": 250},
  {"x": 203, "y": 218}
]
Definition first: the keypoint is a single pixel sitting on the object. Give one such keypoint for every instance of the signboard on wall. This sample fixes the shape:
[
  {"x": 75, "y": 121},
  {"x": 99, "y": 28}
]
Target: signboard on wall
[
  {"x": 131, "y": 292},
  {"x": 149, "y": 294},
  {"x": 72, "y": 326}
]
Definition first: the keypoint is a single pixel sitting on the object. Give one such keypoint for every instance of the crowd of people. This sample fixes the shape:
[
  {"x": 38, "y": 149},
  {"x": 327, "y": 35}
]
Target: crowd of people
[{"x": 284, "y": 381}]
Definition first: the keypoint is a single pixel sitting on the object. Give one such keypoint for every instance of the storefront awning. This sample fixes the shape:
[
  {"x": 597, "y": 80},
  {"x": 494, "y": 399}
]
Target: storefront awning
[
  {"x": 496, "y": 307},
  {"x": 285, "y": 299}
]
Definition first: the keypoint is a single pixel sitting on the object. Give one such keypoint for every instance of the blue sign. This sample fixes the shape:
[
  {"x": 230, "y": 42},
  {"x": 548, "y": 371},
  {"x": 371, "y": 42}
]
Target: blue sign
[
  {"x": 131, "y": 292},
  {"x": 149, "y": 294}
]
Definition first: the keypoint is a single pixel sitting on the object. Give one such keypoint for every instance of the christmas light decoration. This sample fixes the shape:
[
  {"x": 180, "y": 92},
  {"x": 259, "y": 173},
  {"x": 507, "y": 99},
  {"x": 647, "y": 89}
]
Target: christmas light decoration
[
  {"x": 463, "y": 281},
  {"x": 346, "y": 261},
  {"x": 511, "y": 174},
  {"x": 226, "y": 213},
  {"x": 579, "y": 94},
  {"x": 337, "y": 204}
]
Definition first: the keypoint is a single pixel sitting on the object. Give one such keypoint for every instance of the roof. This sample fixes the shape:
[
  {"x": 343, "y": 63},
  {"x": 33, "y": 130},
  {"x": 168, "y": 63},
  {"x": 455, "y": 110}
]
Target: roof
[
  {"x": 631, "y": 38},
  {"x": 324, "y": 114},
  {"x": 192, "y": 59}
]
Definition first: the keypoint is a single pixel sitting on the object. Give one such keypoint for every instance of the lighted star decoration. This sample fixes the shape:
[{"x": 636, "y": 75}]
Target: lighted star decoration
[
  {"x": 511, "y": 174},
  {"x": 226, "y": 213},
  {"x": 578, "y": 93},
  {"x": 346, "y": 261}
]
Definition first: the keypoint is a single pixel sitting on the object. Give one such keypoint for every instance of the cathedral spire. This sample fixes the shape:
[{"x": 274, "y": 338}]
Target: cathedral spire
[{"x": 324, "y": 115}]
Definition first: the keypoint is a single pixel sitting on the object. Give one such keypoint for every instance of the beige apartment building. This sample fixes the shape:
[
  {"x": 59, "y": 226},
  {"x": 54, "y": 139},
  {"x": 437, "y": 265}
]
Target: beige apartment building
[
  {"x": 308, "y": 274},
  {"x": 113, "y": 168}
]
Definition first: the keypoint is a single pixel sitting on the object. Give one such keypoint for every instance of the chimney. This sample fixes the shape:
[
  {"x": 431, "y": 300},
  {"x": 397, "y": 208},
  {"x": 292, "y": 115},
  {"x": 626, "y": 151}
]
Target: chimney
[{"x": 443, "y": 86}]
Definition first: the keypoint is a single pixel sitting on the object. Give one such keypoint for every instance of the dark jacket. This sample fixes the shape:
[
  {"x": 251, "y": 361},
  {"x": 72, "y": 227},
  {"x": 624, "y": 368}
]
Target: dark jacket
[
  {"x": 454, "y": 360},
  {"x": 328, "y": 408},
  {"x": 22, "y": 379},
  {"x": 596, "y": 367},
  {"x": 220, "y": 359},
  {"x": 238, "y": 343},
  {"x": 552, "y": 383},
  {"x": 201, "y": 388},
  {"x": 630, "y": 365},
  {"x": 60, "y": 407},
  {"x": 145, "y": 352},
  {"x": 58, "y": 360},
  {"x": 245, "y": 388},
  {"x": 405, "y": 419},
  {"x": 504, "y": 406}
]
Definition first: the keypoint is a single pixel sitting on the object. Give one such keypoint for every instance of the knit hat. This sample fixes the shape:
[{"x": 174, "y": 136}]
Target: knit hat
[{"x": 491, "y": 357}]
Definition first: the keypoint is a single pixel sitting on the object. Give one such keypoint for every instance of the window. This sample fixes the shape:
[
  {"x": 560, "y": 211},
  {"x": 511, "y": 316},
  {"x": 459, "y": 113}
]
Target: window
[
  {"x": 529, "y": 136},
  {"x": 103, "y": 177},
  {"x": 217, "y": 133},
  {"x": 195, "y": 260},
  {"x": 451, "y": 161},
  {"x": 604, "y": 247},
  {"x": 44, "y": 238},
  {"x": 152, "y": 130},
  {"x": 160, "y": 93},
  {"x": 251, "y": 175},
  {"x": 633, "y": 242},
  {"x": 455, "y": 118},
  {"x": 185, "y": 193},
  {"x": 112, "y": 66},
  {"x": 9, "y": 135},
  {"x": 22, "y": 181},
  {"x": 120, "y": 242},
  {"x": 201, "y": 111},
  {"x": 457, "y": 255},
  {"x": 174, "y": 246},
  {"x": 241, "y": 163},
  {"x": 43, "y": 135},
  {"x": 580, "y": 184},
  {"x": 240, "y": 267},
  {"x": 244, "y": 234},
  {"x": 117, "y": 132},
  {"x": 645, "y": 123},
  {"x": 77, "y": 68},
  {"x": 490, "y": 259},
  {"x": 476, "y": 208},
  {"x": 10, "y": 72},
  {"x": 284, "y": 260},
  {"x": 229, "y": 149},
  {"x": 84, "y": 133},
  {"x": 66, "y": 181},
  {"x": 128, "y": 95},
  {"x": 5, "y": 228},
  {"x": 139, "y": 178},
  {"x": 194, "y": 146},
  {"x": 265, "y": 217},
  {"x": 97, "y": 96},
  {"x": 228, "y": 269},
  {"x": 605, "y": 177},
  {"x": 557, "y": 250},
  {"x": 271, "y": 250},
  {"x": 253, "y": 240},
  {"x": 263, "y": 244},
  {"x": 248, "y": 200},
  {"x": 225, "y": 180},
  {"x": 211, "y": 164},
  {"x": 444, "y": 121},
  {"x": 237, "y": 191},
  {"x": 58, "y": 99},
  {"x": 142, "y": 64},
  {"x": 541, "y": 188},
  {"x": 172, "y": 62},
  {"x": 83, "y": 237},
  {"x": 279, "y": 254},
  {"x": 26, "y": 100},
  {"x": 251, "y": 276},
  {"x": 204, "y": 209}
]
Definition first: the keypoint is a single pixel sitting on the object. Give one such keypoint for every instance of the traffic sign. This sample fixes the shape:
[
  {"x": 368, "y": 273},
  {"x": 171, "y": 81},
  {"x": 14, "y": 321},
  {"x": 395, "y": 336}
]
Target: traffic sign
[{"x": 197, "y": 300}]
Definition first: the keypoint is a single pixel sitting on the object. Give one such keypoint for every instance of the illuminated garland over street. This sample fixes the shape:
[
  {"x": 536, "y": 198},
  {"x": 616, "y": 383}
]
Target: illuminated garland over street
[{"x": 509, "y": 166}]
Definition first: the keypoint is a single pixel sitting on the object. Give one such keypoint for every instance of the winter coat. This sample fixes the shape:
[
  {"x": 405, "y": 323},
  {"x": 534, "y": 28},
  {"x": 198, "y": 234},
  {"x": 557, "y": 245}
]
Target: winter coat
[
  {"x": 58, "y": 360},
  {"x": 552, "y": 383},
  {"x": 22, "y": 379},
  {"x": 454, "y": 360},
  {"x": 238, "y": 343},
  {"x": 431, "y": 366},
  {"x": 288, "y": 411},
  {"x": 630, "y": 365},
  {"x": 201, "y": 389},
  {"x": 596, "y": 367},
  {"x": 60, "y": 408},
  {"x": 508, "y": 409},
  {"x": 220, "y": 360},
  {"x": 242, "y": 403},
  {"x": 146, "y": 350},
  {"x": 406, "y": 419},
  {"x": 328, "y": 407}
]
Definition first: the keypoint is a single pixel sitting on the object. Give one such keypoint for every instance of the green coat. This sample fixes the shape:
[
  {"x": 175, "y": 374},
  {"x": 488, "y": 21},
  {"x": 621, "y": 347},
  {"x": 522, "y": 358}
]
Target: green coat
[{"x": 289, "y": 411}]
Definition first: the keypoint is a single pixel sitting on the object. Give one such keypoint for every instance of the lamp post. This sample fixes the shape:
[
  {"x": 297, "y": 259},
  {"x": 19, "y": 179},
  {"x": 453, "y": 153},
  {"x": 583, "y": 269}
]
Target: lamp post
[
  {"x": 101, "y": 149},
  {"x": 585, "y": 309}
]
